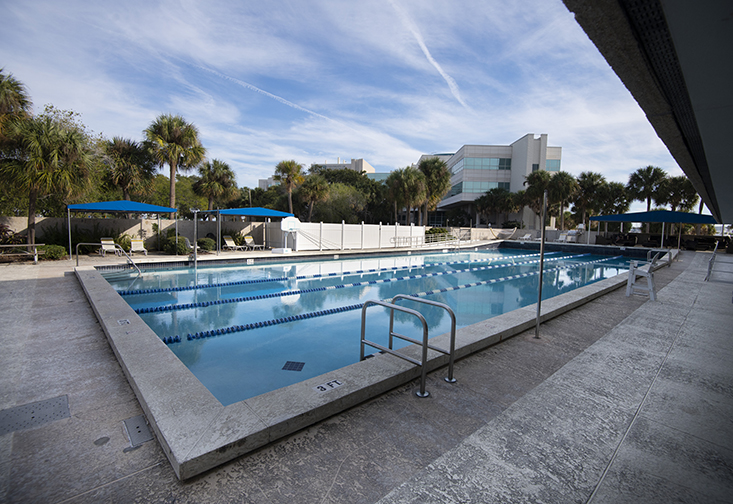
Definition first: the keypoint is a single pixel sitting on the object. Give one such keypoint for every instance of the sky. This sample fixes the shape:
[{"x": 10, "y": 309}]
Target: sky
[{"x": 317, "y": 80}]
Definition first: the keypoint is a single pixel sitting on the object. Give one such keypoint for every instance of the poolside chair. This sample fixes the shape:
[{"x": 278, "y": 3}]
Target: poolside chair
[
  {"x": 250, "y": 242},
  {"x": 230, "y": 245},
  {"x": 189, "y": 246},
  {"x": 108, "y": 245},
  {"x": 138, "y": 246},
  {"x": 526, "y": 237},
  {"x": 563, "y": 238}
]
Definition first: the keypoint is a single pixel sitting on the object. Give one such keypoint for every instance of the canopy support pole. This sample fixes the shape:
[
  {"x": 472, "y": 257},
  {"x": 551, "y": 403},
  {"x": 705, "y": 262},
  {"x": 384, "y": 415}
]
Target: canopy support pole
[
  {"x": 218, "y": 231},
  {"x": 68, "y": 220}
]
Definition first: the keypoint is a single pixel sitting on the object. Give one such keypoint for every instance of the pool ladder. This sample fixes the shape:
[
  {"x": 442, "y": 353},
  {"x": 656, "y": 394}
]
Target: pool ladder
[{"x": 424, "y": 343}]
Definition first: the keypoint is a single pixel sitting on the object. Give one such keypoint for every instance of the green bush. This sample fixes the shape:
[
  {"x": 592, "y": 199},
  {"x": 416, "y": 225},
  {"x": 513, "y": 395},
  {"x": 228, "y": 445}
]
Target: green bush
[
  {"x": 206, "y": 243},
  {"x": 436, "y": 230},
  {"x": 171, "y": 246},
  {"x": 512, "y": 224},
  {"x": 52, "y": 252},
  {"x": 124, "y": 241}
]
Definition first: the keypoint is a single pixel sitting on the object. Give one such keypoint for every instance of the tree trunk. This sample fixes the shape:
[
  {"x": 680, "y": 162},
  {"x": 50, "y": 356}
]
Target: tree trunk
[
  {"x": 290, "y": 200},
  {"x": 173, "y": 186},
  {"x": 32, "y": 197},
  {"x": 562, "y": 216},
  {"x": 126, "y": 196},
  {"x": 310, "y": 211}
]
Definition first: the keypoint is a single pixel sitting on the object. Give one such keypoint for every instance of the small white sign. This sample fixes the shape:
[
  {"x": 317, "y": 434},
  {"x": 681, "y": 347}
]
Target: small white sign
[
  {"x": 123, "y": 322},
  {"x": 250, "y": 261},
  {"x": 329, "y": 385}
]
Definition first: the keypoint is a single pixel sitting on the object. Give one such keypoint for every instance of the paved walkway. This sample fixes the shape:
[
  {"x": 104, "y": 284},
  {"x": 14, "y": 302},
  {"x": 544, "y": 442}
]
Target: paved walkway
[{"x": 620, "y": 400}]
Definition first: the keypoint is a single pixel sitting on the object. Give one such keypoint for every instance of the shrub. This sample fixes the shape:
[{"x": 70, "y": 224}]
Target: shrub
[
  {"x": 171, "y": 246},
  {"x": 52, "y": 252},
  {"x": 436, "y": 230},
  {"x": 512, "y": 224},
  {"x": 206, "y": 243},
  {"x": 124, "y": 241}
]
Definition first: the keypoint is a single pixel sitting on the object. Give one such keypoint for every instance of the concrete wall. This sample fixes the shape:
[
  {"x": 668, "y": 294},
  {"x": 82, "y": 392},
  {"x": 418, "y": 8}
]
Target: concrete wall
[{"x": 327, "y": 236}]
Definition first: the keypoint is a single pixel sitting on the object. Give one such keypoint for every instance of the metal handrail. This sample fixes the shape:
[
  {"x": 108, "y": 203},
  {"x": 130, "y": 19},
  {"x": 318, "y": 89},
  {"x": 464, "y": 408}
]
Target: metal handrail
[
  {"x": 451, "y": 351},
  {"x": 34, "y": 246},
  {"x": 712, "y": 261},
  {"x": 424, "y": 343},
  {"x": 118, "y": 247}
]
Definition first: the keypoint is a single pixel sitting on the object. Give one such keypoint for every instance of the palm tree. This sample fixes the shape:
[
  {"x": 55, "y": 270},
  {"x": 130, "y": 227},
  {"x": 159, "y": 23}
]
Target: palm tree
[
  {"x": 290, "y": 174},
  {"x": 537, "y": 182},
  {"x": 613, "y": 200},
  {"x": 588, "y": 197},
  {"x": 53, "y": 159},
  {"x": 678, "y": 192},
  {"x": 644, "y": 185},
  {"x": 175, "y": 142},
  {"x": 14, "y": 101},
  {"x": 494, "y": 201},
  {"x": 562, "y": 189},
  {"x": 394, "y": 190},
  {"x": 314, "y": 190},
  {"x": 131, "y": 166},
  {"x": 217, "y": 183},
  {"x": 437, "y": 182}
]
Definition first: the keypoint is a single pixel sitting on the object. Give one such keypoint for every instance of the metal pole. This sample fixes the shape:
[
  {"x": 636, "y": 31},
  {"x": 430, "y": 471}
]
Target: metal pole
[
  {"x": 218, "y": 230},
  {"x": 68, "y": 214},
  {"x": 195, "y": 239},
  {"x": 542, "y": 264}
]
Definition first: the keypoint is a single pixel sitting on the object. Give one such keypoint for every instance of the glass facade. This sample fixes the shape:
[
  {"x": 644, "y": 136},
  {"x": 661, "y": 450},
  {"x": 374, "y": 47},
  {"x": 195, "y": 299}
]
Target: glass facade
[
  {"x": 482, "y": 164},
  {"x": 476, "y": 187},
  {"x": 552, "y": 165}
]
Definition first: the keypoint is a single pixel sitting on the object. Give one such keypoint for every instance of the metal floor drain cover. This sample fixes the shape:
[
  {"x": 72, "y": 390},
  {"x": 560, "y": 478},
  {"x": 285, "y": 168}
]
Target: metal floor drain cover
[
  {"x": 293, "y": 366},
  {"x": 34, "y": 414},
  {"x": 138, "y": 430}
]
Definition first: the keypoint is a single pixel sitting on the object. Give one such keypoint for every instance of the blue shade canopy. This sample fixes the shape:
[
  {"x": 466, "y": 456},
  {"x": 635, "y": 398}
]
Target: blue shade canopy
[
  {"x": 658, "y": 216},
  {"x": 250, "y": 212},
  {"x": 121, "y": 206}
]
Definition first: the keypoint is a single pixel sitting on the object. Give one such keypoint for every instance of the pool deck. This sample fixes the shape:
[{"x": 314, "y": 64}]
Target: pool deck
[{"x": 621, "y": 400}]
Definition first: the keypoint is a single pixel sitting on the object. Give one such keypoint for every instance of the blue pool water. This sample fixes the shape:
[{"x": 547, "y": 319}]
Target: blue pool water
[{"x": 236, "y": 327}]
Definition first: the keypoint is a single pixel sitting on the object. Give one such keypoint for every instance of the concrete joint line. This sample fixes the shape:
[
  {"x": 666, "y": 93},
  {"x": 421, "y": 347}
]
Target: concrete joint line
[
  {"x": 74, "y": 497},
  {"x": 641, "y": 405}
]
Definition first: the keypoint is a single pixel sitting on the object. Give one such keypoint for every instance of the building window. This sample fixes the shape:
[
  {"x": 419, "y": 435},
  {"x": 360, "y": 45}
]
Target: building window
[
  {"x": 552, "y": 165},
  {"x": 504, "y": 185},
  {"x": 486, "y": 164},
  {"x": 458, "y": 167},
  {"x": 535, "y": 167},
  {"x": 456, "y": 189}
]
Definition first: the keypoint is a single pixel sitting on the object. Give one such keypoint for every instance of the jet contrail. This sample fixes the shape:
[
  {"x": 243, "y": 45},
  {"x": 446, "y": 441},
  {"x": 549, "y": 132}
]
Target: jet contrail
[
  {"x": 262, "y": 91},
  {"x": 407, "y": 22}
]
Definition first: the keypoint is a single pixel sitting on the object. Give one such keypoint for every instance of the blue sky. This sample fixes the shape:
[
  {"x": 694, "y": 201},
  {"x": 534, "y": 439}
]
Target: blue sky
[{"x": 383, "y": 80}]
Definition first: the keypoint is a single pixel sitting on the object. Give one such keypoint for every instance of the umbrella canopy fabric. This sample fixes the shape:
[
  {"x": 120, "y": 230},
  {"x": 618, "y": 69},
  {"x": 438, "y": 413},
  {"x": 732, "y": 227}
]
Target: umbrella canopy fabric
[
  {"x": 658, "y": 216},
  {"x": 121, "y": 206},
  {"x": 250, "y": 212}
]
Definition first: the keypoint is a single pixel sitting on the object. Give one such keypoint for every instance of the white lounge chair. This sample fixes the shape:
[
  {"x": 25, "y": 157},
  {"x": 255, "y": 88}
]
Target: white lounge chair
[
  {"x": 230, "y": 245},
  {"x": 138, "y": 246},
  {"x": 563, "y": 238},
  {"x": 189, "y": 246},
  {"x": 526, "y": 237},
  {"x": 250, "y": 242},
  {"x": 108, "y": 245}
]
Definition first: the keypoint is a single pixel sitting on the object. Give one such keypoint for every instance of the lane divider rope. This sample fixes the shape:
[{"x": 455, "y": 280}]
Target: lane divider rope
[
  {"x": 256, "y": 325},
  {"x": 320, "y": 275},
  {"x": 203, "y": 304}
]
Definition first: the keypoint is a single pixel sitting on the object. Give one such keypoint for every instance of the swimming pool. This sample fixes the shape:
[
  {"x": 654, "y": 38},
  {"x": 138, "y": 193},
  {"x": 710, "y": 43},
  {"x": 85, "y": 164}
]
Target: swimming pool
[{"x": 246, "y": 330}]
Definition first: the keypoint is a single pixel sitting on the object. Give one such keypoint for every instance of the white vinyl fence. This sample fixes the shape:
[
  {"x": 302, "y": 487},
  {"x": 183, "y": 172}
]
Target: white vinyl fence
[{"x": 325, "y": 236}]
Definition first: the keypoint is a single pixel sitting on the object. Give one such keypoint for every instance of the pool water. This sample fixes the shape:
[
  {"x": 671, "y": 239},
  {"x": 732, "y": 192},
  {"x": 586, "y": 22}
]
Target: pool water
[{"x": 247, "y": 330}]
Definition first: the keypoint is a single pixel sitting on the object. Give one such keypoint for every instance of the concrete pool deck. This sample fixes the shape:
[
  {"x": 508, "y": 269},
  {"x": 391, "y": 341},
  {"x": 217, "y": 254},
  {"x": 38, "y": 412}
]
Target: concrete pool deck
[{"x": 53, "y": 346}]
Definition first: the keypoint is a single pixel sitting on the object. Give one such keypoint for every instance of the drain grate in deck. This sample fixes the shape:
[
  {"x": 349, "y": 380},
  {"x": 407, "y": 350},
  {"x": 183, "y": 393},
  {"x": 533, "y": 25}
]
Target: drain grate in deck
[
  {"x": 293, "y": 366},
  {"x": 138, "y": 430},
  {"x": 34, "y": 414}
]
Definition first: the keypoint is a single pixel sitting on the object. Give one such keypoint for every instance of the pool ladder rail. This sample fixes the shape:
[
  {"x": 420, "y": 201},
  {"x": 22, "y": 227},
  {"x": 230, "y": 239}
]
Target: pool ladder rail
[{"x": 424, "y": 343}]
